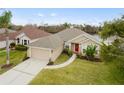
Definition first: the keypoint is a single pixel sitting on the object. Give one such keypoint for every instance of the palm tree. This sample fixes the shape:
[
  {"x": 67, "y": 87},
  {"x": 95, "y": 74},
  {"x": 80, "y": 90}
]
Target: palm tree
[
  {"x": 90, "y": 51},
  {"x": 5, "y": 21}
]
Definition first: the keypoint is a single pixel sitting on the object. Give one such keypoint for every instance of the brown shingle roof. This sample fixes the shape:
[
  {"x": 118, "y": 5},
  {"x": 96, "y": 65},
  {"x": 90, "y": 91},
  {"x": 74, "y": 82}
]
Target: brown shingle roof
[
  {"x": 2, "y": 30},
  {"x": 11, "y": 36},
  {"x": 33, "y": 32}
]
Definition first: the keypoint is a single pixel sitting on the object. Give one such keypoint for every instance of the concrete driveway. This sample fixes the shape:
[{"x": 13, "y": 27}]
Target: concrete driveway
[{"x": 23, "y": 73}]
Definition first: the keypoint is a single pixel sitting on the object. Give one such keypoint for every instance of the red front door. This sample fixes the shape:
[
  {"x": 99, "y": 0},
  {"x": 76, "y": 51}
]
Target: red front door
[{"x": 76, "y": 47}]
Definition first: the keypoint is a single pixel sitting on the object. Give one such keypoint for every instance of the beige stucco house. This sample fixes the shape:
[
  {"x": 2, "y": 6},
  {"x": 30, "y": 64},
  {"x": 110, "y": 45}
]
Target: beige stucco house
[
  {"x": 77, "y": 40},
  {"x": 50, "y": 47}
]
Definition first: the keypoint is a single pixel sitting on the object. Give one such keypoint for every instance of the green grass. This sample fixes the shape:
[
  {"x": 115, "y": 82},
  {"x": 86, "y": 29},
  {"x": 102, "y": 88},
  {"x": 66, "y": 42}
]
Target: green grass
[
  {"x": 80, "y": 72},
  {"x": 62, "y": 58},
  {"x": 15, "y": 57}
]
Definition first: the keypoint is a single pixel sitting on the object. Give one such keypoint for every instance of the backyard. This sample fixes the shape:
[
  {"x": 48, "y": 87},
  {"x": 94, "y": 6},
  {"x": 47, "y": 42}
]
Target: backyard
[
  {"x": 80, "y": 72},
  {"x": 15, "y": 57}
]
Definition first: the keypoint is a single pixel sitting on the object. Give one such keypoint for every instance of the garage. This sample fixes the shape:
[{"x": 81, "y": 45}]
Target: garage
[
  {"x": 46, "y": 48},
  {"x": 42, "y": 54}
]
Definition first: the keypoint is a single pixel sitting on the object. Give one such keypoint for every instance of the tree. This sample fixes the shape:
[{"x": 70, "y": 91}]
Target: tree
[
  {"x": 113, "y": 28},
  {"x": 66, "y": 25},
  {"x": 90, "y": 51},
  {"x": 5, "y": 21},
  {"x": 90, "y": 29},
  {"x": 116, "y": 49}
]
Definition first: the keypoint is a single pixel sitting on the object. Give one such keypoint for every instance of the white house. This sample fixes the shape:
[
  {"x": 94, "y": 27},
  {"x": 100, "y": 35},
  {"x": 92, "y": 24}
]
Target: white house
[
  {"x": 26, "y": 35},
  {"x": 3, "y": 38},
  {"x": 29, "y": 34}
]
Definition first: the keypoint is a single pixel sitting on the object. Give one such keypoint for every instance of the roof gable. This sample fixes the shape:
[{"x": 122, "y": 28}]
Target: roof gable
[
  {"x": 69, "y": 34},
  {"x": 84, "y": 38}
]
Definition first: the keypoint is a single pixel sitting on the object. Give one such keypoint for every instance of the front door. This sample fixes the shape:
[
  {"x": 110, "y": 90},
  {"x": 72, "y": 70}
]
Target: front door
[{"x": 76, "y": 47}]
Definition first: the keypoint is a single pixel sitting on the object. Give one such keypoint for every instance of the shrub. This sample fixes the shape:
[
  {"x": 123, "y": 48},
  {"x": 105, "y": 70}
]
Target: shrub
[
  {"x": 70, "y": 52},
  {"x": 12, "y": 45},
  {"x": 66, "y": 50},
  {"x": 90, "y": 52},
  {"x": 21, "y": 47}
]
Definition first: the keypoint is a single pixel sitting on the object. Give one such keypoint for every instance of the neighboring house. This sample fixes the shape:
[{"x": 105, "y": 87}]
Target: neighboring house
[
  {"x": 26, "y": 35},
  {"x": 107, "y": 41},
  {"x": 29, "y": 34},
  {"x": 11, "y": 35},
  {"x": 49, "y": 48},
  {"x": 2, "y": 30}
]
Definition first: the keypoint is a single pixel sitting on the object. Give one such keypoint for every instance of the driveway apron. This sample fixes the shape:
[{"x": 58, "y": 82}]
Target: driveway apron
[{"x": 23, "y": 73}]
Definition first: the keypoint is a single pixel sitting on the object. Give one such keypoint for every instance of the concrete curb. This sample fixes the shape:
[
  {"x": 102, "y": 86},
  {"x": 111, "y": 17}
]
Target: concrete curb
[{"x": 73, "y": 57}]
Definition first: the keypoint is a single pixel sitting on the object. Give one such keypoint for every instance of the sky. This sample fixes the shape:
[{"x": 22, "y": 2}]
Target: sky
[{"x": 53, "y": 16}]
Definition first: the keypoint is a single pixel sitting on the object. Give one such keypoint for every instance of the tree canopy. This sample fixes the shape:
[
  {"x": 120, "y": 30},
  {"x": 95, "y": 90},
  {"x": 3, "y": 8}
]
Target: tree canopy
[
  {"x": 113, "y": 28},
  {"x": 5, "y": 19},
  {"x": 115, "y": 51}
]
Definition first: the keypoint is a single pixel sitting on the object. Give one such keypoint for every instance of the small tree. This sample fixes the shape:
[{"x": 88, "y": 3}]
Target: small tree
[
  {"x": 12, "y": 45},
  {"x": 90, "y": 52},
  {"x": 5, "y": 21}
]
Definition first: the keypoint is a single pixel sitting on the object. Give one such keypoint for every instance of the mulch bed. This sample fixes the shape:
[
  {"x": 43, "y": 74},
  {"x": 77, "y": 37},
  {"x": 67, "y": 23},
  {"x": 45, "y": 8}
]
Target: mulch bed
[
  {"x": 94, "y": 59},
  {"x": 7, "y": 66},
  {"x": 50, "y": 63}
]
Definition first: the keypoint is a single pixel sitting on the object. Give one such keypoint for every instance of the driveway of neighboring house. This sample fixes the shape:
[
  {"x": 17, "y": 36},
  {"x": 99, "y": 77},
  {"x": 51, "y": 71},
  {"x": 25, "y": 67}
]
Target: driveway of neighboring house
[{"x": 23, "y": 73}]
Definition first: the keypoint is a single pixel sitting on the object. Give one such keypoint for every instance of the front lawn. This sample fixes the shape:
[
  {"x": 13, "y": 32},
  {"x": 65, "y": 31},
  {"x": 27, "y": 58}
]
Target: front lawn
[
  {"x": 62, "y": 58},
  {"x": 80, "y": 72},
  {"x": 15, "y": 57}
]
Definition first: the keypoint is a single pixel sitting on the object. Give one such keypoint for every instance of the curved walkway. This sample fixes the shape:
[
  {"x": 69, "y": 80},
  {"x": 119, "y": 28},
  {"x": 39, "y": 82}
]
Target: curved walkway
[{"x": 63, "y": 64}]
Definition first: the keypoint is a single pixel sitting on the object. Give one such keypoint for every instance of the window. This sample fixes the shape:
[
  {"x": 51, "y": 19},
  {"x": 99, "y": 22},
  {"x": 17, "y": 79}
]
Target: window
[
  {"x": 18, "y": 40},
  {"x": 28, "y": 41},
  {"x": 22, "y": 42},
  {"x": 25, "y": 42}
]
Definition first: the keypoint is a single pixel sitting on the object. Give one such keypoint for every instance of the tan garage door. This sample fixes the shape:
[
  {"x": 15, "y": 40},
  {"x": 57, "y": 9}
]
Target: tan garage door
[{"x": 41, "y": 54}]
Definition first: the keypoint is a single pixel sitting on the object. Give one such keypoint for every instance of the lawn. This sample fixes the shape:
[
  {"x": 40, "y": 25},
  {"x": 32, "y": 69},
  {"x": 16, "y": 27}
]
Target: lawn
[
  {"x": 62, "y": 58},
  {"x": 80, "y": 72},
  {"x": 15, "y": 57}
]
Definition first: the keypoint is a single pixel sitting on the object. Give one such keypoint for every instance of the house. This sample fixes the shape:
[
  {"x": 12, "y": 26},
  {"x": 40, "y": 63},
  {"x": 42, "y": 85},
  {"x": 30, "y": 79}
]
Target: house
[
  {"x": 77, "y": 40},
  {"x": 11, "y": 35},
  {"x": 2, "y": 30},
  {"x": 107, "y": 41},
  {"x": 26, "y": 35},
  {"x": 29, "y": 34},
  {"x": 50, "y": 47}
]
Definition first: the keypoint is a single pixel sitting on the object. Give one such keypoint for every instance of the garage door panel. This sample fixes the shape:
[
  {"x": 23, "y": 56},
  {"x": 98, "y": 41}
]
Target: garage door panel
[{"x": 41, "y": 54}]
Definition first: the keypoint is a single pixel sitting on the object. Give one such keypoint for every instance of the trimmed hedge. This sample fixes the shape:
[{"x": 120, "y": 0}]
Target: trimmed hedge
[{"x": 21, "y": 47}]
